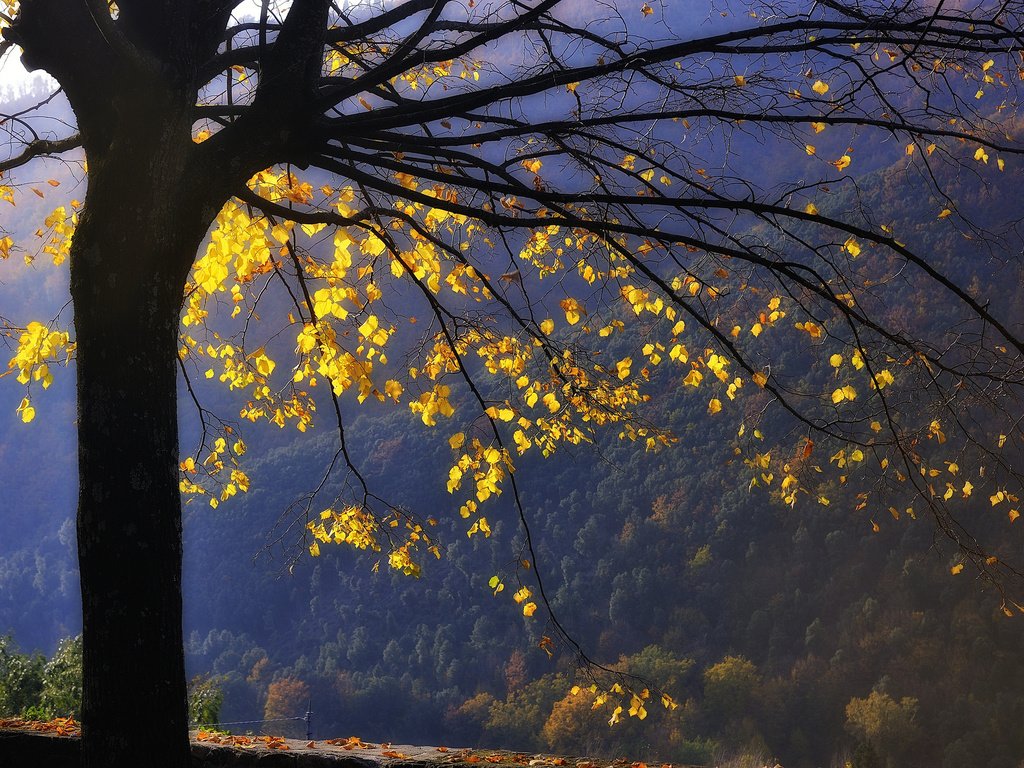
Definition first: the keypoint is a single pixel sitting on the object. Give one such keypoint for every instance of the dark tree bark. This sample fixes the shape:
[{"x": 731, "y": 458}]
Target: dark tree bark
[
  {"x": 151, "y": 198},
  {"x": 139, "y": 230},
  {"x": 152, "y": 195}
]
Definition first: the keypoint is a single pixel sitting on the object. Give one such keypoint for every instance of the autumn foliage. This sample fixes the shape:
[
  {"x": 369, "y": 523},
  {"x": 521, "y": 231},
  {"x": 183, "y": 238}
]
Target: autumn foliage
[{"x": 512, "y": 225}]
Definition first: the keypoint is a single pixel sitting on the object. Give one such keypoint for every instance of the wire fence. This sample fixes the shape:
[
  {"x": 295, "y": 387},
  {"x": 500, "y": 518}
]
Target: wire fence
[{"x": 306, "y": 718}]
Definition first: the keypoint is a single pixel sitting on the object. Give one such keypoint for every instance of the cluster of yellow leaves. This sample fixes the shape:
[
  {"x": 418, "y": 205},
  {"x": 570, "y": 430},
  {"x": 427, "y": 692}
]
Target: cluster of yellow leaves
[
  {"x": 433, "y": 403},
  {"x": 238, "y": 244},
  {"x": 792, "y": 475},
  {"x": 522, "y": 597},
  {"x": 765, "y": 319},
  {"x": 443, "y": 73},
  {"x": 544, "y": 251},
  {"x": 220, "y": 467},
  {"x": 359, "y": 528},
  {"x": 621, "y": 699},
  {"x": 352, "y": 525},
  {"x": 56, "y": 233},
  {"x": 38, "y": 348},
  {"x": 485, "y": 465},
  {"x": 341, "y": 340}
]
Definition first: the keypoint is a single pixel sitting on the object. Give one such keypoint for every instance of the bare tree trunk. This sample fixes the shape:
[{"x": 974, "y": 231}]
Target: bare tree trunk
[{"x": 139, "y": 231}]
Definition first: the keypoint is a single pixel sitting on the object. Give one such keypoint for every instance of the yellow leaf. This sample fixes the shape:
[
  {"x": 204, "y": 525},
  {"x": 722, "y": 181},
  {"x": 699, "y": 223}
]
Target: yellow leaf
[
  {"x": 533, "y": 166},
  {"x": 820, "y": 88},
  {"x": 1014, "y": 514},
  {"x": 693, "y": 378},
  {"x": 981, "y": 154},
  {"x": 646, "y": 10},
  {"x": 810, "y": 149},
  {"x": 457, "y": 440},
  {"x": 945, "y": 212},
  {"x": 842, "y": 163},
  {"x": 714, "y": 406},
  {"x": 835, "y": 361},
  {"x": 547, "y": 326},
  {"x": 573, "y": 310},
  {"x": 956, "y": 568},
  {"x": 740, "y": 81},
  {"x": 529, "y": 609},
  {"x": 264, "y": 365},
  {"x": 811, "y": 208},
  {"x": 622, "y": 367},
  {"x": 280, "y": 233},
  {"x": 314, "y": 549}
]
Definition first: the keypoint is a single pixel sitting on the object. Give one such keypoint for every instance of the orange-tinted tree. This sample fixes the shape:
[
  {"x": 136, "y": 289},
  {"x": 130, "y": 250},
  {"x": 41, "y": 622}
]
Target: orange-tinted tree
[
  {"x": 287, "y": 699},
  {"x": 519, "y": 180}
]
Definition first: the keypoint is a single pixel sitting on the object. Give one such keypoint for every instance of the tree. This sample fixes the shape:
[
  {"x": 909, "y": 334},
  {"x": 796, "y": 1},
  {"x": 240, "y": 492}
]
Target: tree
[
  {"x": 497, "y": 166},
  {"x": 287, "y": 699},
  {"x": 205, "y": 697},
  {"x": 21, "y": 679},
  {"x": 729, "y": 687},
  {"x": 885, "y": 724},
  {"x": 62, "y": 680}
]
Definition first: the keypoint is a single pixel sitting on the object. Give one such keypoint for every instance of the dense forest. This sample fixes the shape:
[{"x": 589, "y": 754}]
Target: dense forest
[{"x": 813, "y": 634}]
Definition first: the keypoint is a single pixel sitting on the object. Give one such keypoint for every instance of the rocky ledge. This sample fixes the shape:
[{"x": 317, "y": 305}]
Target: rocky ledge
[{"x": 55, "y": 745}]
